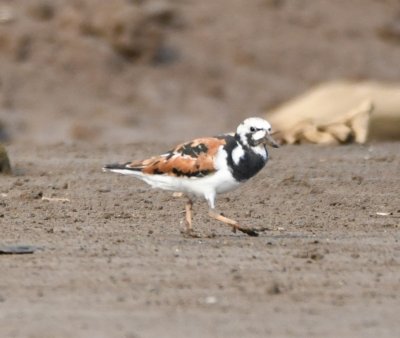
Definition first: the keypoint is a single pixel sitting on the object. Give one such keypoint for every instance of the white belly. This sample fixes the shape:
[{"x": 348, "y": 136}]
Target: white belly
[{"x": 219, "y": 182}]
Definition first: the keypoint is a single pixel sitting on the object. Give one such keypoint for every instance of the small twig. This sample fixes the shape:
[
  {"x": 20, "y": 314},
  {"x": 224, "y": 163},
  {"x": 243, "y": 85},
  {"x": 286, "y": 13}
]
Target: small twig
[{"x": 55, "y": 199}]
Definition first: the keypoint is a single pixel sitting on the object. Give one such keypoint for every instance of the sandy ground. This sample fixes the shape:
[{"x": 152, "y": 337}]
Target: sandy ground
[{"x": 114, "y": 264}]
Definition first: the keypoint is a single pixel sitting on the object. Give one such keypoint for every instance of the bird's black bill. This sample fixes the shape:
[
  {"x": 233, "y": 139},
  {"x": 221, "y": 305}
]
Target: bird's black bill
[{"x": 269, "y": 140}]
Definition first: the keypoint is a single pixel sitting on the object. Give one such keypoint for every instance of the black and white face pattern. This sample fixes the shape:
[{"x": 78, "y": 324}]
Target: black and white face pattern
[{"x": 255, "y": 131}]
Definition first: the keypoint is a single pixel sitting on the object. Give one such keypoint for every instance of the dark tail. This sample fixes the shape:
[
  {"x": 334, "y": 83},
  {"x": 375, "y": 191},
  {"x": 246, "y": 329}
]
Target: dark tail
[
  {"x": 119, "y": 166},
  {"x": 116, "y": 166}
]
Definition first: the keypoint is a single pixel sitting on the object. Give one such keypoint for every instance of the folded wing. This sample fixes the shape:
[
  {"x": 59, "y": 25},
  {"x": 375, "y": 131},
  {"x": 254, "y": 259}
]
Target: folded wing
[{"x": 191, "y": 159}]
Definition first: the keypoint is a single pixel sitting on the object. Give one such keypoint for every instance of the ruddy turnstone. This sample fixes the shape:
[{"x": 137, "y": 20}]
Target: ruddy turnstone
[{"x": 207, "y": 166}]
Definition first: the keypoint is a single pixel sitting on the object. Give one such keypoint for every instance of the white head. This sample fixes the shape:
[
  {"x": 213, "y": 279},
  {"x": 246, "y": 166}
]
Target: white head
[{"x": 255, "y": 131}]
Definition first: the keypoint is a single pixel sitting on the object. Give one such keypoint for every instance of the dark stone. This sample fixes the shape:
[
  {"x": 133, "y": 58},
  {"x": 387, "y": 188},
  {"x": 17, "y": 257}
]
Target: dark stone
[{"x": 5, "y": 167}]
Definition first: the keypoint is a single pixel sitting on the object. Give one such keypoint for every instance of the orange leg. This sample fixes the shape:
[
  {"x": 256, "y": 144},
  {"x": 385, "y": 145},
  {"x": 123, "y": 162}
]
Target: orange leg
[
  {"x": 234, "y": 224},
  {"x": 188, "y": 216},
  {"x": 188, "y": 220}
]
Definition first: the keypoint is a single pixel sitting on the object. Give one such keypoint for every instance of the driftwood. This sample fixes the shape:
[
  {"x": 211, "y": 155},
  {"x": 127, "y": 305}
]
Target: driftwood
[{"x": 339, "y": 112}]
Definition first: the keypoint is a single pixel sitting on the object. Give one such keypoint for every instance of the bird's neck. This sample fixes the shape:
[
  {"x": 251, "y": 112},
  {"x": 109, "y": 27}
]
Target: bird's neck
[
  {"x": 260, "y": 149},
  {"x": 249, "y": 163}
]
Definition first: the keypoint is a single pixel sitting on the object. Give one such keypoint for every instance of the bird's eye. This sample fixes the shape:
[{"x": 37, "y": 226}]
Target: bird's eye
[{"x": 252, "y": 129}]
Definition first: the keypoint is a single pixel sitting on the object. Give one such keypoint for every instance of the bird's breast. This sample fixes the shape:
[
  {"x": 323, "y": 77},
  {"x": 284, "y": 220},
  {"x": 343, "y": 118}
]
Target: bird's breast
[{"x": 248, "y": 165}]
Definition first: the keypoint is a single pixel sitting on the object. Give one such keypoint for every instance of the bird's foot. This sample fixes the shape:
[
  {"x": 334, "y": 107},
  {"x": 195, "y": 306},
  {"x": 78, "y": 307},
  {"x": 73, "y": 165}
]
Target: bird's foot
[
  {"x": 190, "y": 233},
  {"x": 254, "y": 232},
  {"x": 248, "y": 231}
]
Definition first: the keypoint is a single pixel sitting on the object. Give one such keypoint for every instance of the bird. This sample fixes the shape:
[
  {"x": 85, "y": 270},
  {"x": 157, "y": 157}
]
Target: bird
[{"x": 206, "y": 167}]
